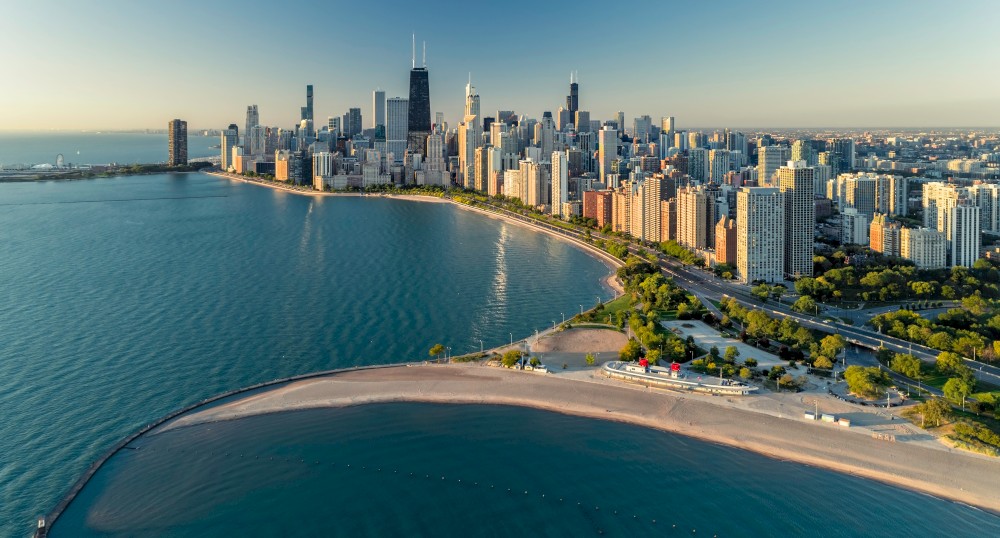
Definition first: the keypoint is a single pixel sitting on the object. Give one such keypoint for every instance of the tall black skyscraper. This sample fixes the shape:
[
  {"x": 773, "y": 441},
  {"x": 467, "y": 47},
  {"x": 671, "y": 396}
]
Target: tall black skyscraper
[
  {"x": 307, "y": 111},
  {"x": 573, "y": 99},
  {"x": 419, "y": 120}
]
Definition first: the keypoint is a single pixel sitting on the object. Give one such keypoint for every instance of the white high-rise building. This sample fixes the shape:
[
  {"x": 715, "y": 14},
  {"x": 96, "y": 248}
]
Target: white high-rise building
[
  {"x": 323, "y": 164},
  {"x": 512, "y": 184},
  {"x": 535, "y": 179},
  {"x": 760, "y": 234},
  {"x": 854, "y": 227},
  {"x": 963, "y": 233},
  {"x": 695, "y": 217},
  {"x": 925, "y": 247},
  {"x": 472, "y": 101},
  {"x": 987, "y": 197},
  {"x": 796, "y": 182},
  {"x": 378, "y": 109},
  {"x": 469, "y": 138},
  {"x": 891, "y": 194},
  {"x": 769, "y": 160},
  {"x": 560, "y": 182},
  {"x": 396, "y": 128},
  {"x": 607, "y": 151},
  {"x": 720, "y": 161}
]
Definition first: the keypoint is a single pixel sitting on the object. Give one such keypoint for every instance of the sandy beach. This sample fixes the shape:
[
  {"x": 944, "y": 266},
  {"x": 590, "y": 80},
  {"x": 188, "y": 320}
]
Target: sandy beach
[{"x": 941, "y": 472}]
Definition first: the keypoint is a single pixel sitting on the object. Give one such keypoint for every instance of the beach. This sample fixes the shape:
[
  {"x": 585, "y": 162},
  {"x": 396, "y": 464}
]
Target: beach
[{"x": 938, "y": 471}]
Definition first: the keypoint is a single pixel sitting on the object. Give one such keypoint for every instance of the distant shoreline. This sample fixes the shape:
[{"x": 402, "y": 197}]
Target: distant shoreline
[{"x": 611, "y": 281}]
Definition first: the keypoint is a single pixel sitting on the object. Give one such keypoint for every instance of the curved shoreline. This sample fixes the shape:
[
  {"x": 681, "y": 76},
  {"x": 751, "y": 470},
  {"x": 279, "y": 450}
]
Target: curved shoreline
[
  {"x": 951, "y": 475},
  {"x": 613, "y": 263}
]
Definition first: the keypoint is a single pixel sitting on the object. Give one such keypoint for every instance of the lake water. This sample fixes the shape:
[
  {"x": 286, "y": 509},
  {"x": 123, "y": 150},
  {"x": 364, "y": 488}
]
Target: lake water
[
  {"x": 468, "y": 470},
  {"x": 95, "y": 148},
  {"x": 125, "y": 298}
]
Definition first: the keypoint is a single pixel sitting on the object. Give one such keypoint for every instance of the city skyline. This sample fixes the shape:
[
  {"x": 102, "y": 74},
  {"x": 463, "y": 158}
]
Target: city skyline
[{"x": 860, "y": 65}]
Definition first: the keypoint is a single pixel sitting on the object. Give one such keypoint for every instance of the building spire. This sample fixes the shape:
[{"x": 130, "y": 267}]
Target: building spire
[
  {"x": 425, "y": 55},
  {"x": 413, "y": 52}
]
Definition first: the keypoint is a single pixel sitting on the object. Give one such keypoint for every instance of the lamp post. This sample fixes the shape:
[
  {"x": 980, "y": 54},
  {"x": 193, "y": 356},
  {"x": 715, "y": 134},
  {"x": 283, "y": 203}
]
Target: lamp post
[
  {"x": 581, "y": 310},
  {"x": 563, "y": 316},
  {"x": 511, "y": 339},
  {"x": 480, "y": 345}
]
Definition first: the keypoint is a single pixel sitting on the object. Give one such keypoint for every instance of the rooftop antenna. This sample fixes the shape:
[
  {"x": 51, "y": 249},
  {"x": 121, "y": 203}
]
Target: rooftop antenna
[
  {"x": 425, "y": 54},
  {"x": 413, "y": 49}
]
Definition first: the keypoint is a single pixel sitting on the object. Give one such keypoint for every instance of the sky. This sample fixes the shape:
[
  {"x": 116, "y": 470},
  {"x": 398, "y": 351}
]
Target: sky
[{"x": 118, "y": 64}]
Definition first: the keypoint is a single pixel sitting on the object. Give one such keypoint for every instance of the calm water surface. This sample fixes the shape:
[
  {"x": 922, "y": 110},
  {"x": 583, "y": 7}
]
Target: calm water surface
[
  {"x": 466, "y": 470},
  {"x": 122, "y": 299},
  {"x": 95, "y": 148}
]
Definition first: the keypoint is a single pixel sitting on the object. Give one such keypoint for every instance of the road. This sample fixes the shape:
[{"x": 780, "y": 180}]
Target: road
[{"x": 706, "y": 286}]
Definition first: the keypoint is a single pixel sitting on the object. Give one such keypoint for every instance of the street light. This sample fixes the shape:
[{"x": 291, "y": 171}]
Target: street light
[
  {"x": 563, "y": 316},
  {"x": 581, "y": 310},
  {"x": 480, "y": 345},
  {"x": 512, "y": 339}
]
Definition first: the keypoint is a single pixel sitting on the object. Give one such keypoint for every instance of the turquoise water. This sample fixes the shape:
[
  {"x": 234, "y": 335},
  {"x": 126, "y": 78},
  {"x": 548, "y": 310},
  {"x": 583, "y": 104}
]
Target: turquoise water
[
  {"x": 125, "y": 298},
  {"x": 465, "y": 470},
  {"x": 95, "y": 148}
]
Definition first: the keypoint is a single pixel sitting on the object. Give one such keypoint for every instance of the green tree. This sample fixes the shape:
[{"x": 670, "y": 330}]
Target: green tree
[
  {"x": 832, "y": 345},
  {"x": 590, "y": 358},
  {"x": 949, "y": 363},
  {"x": 750, "y": 362},
  {"x": 436, "y": 350},
  {"x": 534, "y": 361},
  {"x": 631, "y": 351},
  {"x": 865, "y": 381},
  {"x": 745, "y": 373},
  {"x": 823, "y": 363},
  {"x": 906, "y": 364},
  {"x": 957, "y": 389},
  {"x": 933, "y": 411},
  {"x": 730, "y": 354},
  {"x": 653, "y": 356},
  {"x": 510, "y": 358},
  {"x": 761, "y": 291},
  {"x": 805, "y": 304}
]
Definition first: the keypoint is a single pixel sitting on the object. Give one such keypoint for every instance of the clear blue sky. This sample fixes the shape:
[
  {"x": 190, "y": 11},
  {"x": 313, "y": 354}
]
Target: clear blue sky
[{"x": 127, "y": 64}]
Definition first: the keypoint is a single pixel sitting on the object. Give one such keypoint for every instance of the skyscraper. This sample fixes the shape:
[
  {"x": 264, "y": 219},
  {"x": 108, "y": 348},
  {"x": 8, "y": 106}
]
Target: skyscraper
[
  {"x": 420, "y": 105},
  {"x": 395, "y": 129},
  {"x": 573, "y": 99},
  {"x": 963, "y": 232},
  {"x": 696, "y": 217},
  {"x": 253, "y": 120},
  {"x": 796, "y": 183},
  {"x": 926, "y": 248},
  {"x": 769, "y": 160},
  {"x": 560, "y": 182},
  {"x": 472, "y": 101},
  {"x": 642, "y": 126},
  {"x": 177, "y": 143},
  {"x": 307, "y": 111},
  {"x": 352, "y": 122},
  {"x": 842, "y": 154},
  {"x": 608, "y": 149},
  {"x": 760, "y": 237},
  {"x": 378, "y": 108},
  {"x": 229, "y": 139}
]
